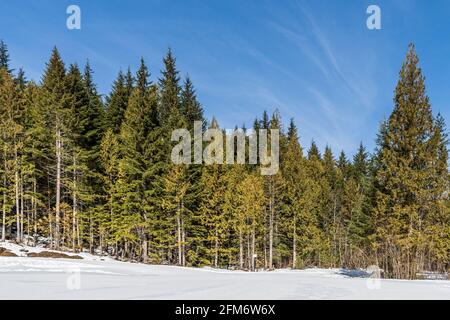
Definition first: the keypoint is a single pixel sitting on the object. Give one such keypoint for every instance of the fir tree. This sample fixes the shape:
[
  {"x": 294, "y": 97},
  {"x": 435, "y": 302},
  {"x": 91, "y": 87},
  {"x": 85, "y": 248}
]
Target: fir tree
[
  {"x": 169, "y": 88},
  {"x": 294, "y": 177},
  {"x": 4, "y": 57},
  {"x": 57, "y": 113},
  {"x": 190, "y": 107},
  {"x": 117, "y": 103},
  {"x": 406, "y": 186}
]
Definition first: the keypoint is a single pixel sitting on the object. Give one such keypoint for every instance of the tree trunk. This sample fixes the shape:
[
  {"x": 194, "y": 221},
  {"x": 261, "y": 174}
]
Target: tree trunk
[
  {"x": 4, "y": 217},
  {"x": 294, "y": 245},
  {"x": 58, "y": 186},
  {"x": 21, "y": 208},
  {"x": 18, "y": 231},
  {"x": 253, "y": 248},
  {"x": 241, "y": 251},
  {"x": 145, "y": 250},
  {"x": 216, "y": 249},
  {"x": 183, "y": 239},
  {"x": 91, "y": 235},
  {"x": 271, "y": 218},
  {"x": 74, "y": 208},
  {"x": 179, "y": 236},
  {"x": 4, "y": 199},
  {"x": 34, "y": 208}
]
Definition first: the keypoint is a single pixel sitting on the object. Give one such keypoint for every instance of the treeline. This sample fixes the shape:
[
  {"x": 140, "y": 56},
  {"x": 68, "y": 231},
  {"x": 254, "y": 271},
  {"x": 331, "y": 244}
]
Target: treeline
[{"x": 82, "y": 172}]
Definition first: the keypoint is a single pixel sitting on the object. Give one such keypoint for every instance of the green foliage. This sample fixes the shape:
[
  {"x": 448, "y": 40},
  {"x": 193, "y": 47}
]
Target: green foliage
[{"x": 97, "y": 176}]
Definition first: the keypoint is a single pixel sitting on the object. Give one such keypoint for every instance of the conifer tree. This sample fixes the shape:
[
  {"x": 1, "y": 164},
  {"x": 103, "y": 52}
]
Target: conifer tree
[
  {"x": 407, "y": 189},
  {"x": 273, "y": 185},
  {"x": 135, "y": 132},
  {"x": 175, "y": 186},
  {"x": 169, "y": 88},
  {"x": 103, "y": 180},
  {"x": 313, "y": 152},
  {"x": 110, "y": 157},
  {"x": 294, "y": 176},
  {"x": 250, "y": 193},
  {"x": 191, "y": 109},
  {"x": 12, "y": 112},
  {"x": 57, "y": 113},
  {"x": 315, "y": 245},
  {"x": 213, "y": 217},
  {"x": 4, "y": 57},
  {"x": 117, "y": 103}
]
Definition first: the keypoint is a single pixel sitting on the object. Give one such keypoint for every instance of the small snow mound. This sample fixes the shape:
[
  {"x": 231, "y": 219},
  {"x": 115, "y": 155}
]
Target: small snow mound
[{"x": 22, "y": 250}]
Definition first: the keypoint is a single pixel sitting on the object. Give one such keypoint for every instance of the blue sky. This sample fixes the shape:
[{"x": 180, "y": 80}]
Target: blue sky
[{"x": 315, "y": 61}]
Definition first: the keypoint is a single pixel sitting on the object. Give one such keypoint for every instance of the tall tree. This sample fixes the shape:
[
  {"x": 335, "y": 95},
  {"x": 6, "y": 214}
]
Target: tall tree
[
  {"x": 294, "y": 177},
  {"x": 407, "y": 189},
  {"x": 169, "y": 88},
  {"x": 4, "y": 57},
  {"x": 57, "y": 111},
  {"x": 117, "y": 103}
]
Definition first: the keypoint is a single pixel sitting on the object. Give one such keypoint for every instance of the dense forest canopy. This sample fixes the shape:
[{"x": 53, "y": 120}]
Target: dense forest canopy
[{"x": 82, "y": 173}]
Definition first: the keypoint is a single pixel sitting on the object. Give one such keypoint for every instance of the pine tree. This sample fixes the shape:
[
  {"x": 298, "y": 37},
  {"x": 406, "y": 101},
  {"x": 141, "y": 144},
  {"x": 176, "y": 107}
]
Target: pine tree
[
  {"x": 407, "y": 189},
  {"x": 4, "y": 57},
  {"x": 212, "y": 216},
  {"x": 273, "y": 185},
  {"x": 93, "y": 115},
  {"x": 137, "y": 128},
  {"x": 12, "y": 111},
  {"x": 191, "y": 109},
  {"x": 315, "y": 244},
  {"x": 110, "y": 157},
  {"x": 57, "y": 113},
  {"x": 86, "y": 178},
  {"x": 313, "y": 152},
  {"x": 294, "y": 176},
  {"x": 250, "y": 191},
  {"x": 169, "y": 88},
  {"x": 117, "y": 103},
  {"x": 175, "y": 186}
]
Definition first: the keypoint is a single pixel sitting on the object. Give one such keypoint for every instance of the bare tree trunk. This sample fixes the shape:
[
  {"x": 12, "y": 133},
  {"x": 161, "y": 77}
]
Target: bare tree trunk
[
  {"x": 18, "y": 232},
  {"x": 74, "y": 209},
  {"x": 241, "y": 251},
  {"x": 294, "y": 245},
  {"x": 183, "y": 239},
  {"x": 249, "y": 254},
  {"x": 271, "y": 218},
  {"x": 34, "y": 208},
  {"x": 58, "y": 186},
  {"x": 179, "y": 235},
  {"x": 145, "y": 250},
  {"x": 4, "y": 199},
  {"x": 91, "y": 235},
  {"x": 21, "y": 208},
  {"x": 28, "y": 224},
  {"x": 216, "y": 250},
  {"x": 4, "y": 217},
  {"x": 253, "y": 248},
  {"x": 334, "y": 227}
]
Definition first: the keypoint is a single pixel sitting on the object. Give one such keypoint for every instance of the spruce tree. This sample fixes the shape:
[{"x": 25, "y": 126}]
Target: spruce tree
[
  {"x": 57, "y": 111},
  {"x": 407, "y": 190},
  {"x": 117, "y": 103},
  {"x": 169, "y": 88},
  {"x": 12, "y": 112},
  {"x": 4, "y": 57},
  {"x": 191, "y": 109},
  {"x": 294, "y": 174}
]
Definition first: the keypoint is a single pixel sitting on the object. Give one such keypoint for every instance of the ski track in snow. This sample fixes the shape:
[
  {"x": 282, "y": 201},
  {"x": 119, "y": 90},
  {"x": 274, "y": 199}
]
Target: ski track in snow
[{"x": 104, "y": 278}]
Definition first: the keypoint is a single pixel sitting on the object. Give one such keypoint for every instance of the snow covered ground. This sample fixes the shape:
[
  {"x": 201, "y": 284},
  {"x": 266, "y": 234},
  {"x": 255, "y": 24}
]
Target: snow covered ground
[{"x": 103, "y": 278}]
